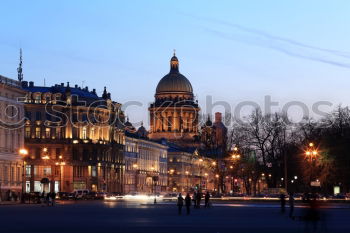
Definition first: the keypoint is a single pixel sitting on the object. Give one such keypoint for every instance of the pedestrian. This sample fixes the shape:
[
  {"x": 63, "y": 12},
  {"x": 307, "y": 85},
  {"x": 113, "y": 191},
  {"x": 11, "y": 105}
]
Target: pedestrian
[
  {"x": 180, "y": 203},
  {"x": 283, "y": 202},
  {"x": 291, "y": 205},
  {"x": 53, "y": 198},
  {"x": 199, "y": 197},
  {"x": 48, "y": 197},
  {"x": 42, "y": 198},
  {"x": 194, "y": 199},
  {"x": 188, "y": 203},
  {"x": 206, "y": 200}
]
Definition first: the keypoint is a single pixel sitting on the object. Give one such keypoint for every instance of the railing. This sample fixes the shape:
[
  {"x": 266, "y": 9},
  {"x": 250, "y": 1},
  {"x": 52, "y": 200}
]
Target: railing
[{"x": 9, "y": 82}]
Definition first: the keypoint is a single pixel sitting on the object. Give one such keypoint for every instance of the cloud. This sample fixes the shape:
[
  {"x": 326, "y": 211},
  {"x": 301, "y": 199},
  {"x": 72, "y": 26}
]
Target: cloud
[{"x": 283, "y": 45}]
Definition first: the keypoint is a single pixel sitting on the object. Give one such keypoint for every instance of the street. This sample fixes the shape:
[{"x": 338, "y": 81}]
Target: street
[{"x": 99, "y": 216}]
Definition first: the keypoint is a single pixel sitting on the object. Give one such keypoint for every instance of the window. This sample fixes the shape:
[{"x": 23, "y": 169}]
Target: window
[
  {"x": 37, "y": 186},
  {"x": 27, "y": 132},
  {"x": 47, "y": 171},
  {"x": 28, "y": 170},
  {"x": 47, "y": 132},
  {"x": 93, "y": 171},
  {"x": 37, "y": 99},
  {"x": 84, "y": 133},
  {"x": 169, "y": 123},
  {"x": 92, "y": 133},
  {"x": 37, "y": 132},
  {"x": 27, "y": 186}
]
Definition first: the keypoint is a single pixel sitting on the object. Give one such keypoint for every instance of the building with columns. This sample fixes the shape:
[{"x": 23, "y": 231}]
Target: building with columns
[
  {"x": 174, "y": 113},
  {"x": 145, "y": 163},
  {"x": 74, "y": 139},
  {"x": 174, "y": 121},
  {"x": 11, "y": 137}
]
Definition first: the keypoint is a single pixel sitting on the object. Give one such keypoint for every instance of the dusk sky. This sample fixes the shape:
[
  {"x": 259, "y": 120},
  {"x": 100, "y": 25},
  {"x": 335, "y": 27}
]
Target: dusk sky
[{"x": 231, "y": 50}]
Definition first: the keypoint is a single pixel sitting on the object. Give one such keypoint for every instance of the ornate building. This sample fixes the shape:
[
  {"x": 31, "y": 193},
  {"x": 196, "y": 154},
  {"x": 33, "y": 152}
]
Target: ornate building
[
  {"x": 74, "y": 139},
  {"x": 214, "y": 135},
  {"x": 145, "y": 162},
  {"x": 174, "y": 114},
  {"x": 11, "y": 137},
  {"x": 188, "y": 171}
]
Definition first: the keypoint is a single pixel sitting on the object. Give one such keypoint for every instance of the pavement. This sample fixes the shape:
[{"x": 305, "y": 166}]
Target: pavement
[{"x": 125, "y": 217}]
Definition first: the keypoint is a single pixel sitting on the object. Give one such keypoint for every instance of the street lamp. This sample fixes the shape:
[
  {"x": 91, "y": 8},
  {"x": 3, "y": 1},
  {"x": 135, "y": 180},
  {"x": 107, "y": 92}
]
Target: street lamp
[
  {"x": 23, "y": 152},
  {"x": 311, "y": 152},
  {"x": 311, "y": 155},
  {"x": 135, "y": 166},
  {"x": 187, "y": 179}
]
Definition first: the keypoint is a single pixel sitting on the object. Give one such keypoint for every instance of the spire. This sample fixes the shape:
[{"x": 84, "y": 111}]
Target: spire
[
  {"x": 68, "y": 88},
  {"x": 19, "y": 69},
  {"x": 105, "y": 95},
  {"x": 174, "y": 64}
]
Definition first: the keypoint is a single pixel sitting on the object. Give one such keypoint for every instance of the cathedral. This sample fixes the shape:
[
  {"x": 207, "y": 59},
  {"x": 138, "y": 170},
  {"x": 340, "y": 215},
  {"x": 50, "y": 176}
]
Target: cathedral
[{"x": 174, "y": 113}]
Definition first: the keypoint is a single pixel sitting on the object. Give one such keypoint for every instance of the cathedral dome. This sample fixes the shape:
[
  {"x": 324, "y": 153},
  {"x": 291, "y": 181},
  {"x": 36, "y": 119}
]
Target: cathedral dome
[{"x": 174, "y": 81}]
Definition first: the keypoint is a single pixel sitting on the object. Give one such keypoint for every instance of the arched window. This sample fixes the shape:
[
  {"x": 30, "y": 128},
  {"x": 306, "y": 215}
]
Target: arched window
[
  {"x": 84, "y": 133},
  {"x": 169, "y": 123}
]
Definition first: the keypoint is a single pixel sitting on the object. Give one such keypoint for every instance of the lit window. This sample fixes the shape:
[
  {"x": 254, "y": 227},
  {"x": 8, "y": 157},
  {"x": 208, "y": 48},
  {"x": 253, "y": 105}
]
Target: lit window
[
  {"x": 27, "y": 134},
  {"x": 37, "y": 99},
  {"x": 28, "y": 170},
  {"x": 37, "y": 132},
  {"x": 84, "y": 133},
  {"x": 47, "y": 132},
  {"x": 93, "y": 171}
]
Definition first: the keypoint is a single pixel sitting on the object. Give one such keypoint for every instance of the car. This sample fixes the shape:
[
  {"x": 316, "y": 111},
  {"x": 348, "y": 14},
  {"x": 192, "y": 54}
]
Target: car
[
  {"x": 62, "y": 196},
  {"x": 101, "y": 195},
  {"x": 91, "y": 196},
  {"x": 81, "y": 193}
]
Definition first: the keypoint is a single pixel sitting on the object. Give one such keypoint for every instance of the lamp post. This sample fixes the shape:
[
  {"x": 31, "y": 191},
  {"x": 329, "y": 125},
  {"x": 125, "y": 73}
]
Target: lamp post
[
  {"x": 135, "y": 166},
  {"x": 235, "y": 157},
  {"x": 311, "y": 154},
  {"x": 187, "y": 179},
  {"x": 200, "y": 174},
  {"x": 61, "y": 163},
  {"x": 23, "y": 152}
]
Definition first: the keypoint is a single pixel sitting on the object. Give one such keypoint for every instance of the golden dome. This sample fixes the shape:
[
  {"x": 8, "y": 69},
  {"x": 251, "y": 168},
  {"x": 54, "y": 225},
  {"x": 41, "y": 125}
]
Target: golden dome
[{"x": 174, "y": 81}]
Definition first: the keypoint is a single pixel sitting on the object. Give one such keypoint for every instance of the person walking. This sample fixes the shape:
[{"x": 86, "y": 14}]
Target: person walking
[
  {"x": 194, "y": 199},
  {"x": 48, "y": 199},
  {"x": 291, "y": 205},
  {"x": 206, "y": 200},
  {"x": 199, "y": 197},
  {"x": 180, "y": 203},
  {"x": 188, "y": 203},
  {"x": 53, "y": 198},
  {"x": 42, "y": 198},
  {"x": 283, "y": 202}
]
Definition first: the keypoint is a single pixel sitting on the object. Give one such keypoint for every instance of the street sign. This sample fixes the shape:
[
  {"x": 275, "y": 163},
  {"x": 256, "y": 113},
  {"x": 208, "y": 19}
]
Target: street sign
[{"x": 316, "y": 183}]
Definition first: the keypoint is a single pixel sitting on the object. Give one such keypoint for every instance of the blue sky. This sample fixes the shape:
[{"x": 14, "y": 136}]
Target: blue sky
[{"x": 231, "y": 50}]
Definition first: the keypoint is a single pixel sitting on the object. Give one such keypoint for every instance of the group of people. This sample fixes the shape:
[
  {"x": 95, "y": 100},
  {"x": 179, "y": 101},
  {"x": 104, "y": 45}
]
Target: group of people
[
  {"x": 196, "y": 199},
  {"x": 48, "y": 199}
]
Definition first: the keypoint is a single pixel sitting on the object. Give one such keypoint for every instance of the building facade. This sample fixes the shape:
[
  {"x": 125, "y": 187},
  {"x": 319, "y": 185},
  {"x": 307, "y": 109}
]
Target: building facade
[
  {"x": 174, "y": 113},
  {"x": 145, "y": 165},
  {"x": 73, "y": 138},
  {"x": 11, "y": 138},
  {"x": 188, "y": 172}
]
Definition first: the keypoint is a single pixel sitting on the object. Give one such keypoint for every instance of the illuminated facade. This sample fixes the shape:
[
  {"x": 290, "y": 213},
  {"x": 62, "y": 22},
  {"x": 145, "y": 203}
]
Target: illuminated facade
[
  {"x": 73, "y": 139},
  {"x": 11, "y": 138},
  {"x": 188, "y": 171},
  {"x": 145, "y": 165},
  {"x": 174, "y": 114}
]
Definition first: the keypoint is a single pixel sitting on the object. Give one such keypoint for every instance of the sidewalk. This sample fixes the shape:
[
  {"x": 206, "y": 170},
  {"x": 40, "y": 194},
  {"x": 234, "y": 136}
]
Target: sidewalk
[{"x": 10, "y": 203}]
